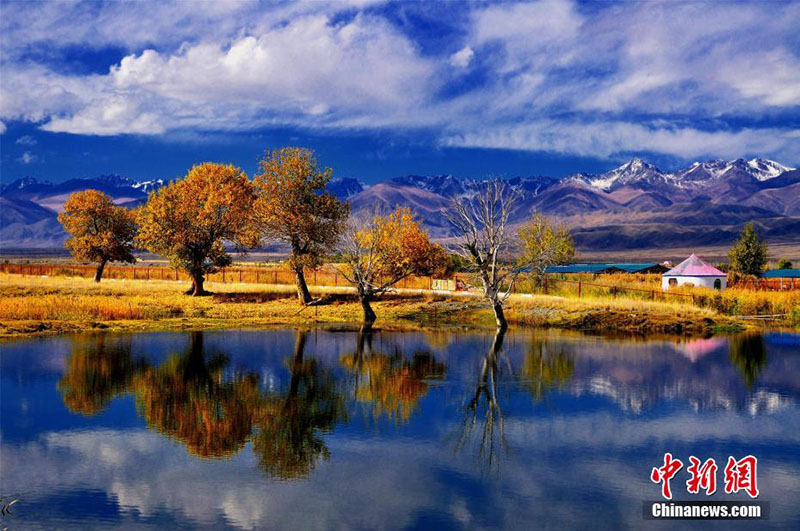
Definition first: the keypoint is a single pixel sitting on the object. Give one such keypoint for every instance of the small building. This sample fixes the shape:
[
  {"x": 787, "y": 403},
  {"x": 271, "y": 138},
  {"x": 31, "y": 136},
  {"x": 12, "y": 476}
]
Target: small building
[
  {"x": 696, "y": 271},
  {"x": 782, "y": 273}
]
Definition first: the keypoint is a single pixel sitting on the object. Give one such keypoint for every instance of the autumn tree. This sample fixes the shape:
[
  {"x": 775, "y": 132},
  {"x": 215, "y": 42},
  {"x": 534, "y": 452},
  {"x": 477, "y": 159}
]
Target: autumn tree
[
  {"x": 749, "y": 255},
  {"x": 293, "y": 207},
  {"x": 784, "y": 263},
  {"x": 190, "y": 220},
  {"x": 100, "y": 231},
  {"x": 481, "y": 226},
  {"x": 380, "y": 251},
  {"x": 543, "y": 244}
]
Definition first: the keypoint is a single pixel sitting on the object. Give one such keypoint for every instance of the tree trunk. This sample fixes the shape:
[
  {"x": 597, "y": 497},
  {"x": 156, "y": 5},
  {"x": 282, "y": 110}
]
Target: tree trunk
[
  {"x": 197, "y": 285},
  {"x": 99, "y": 274},
  {"x": 499, "y": 316},
  {"x": 369, "y": 314},
  {"x": 302, "y": 287}
]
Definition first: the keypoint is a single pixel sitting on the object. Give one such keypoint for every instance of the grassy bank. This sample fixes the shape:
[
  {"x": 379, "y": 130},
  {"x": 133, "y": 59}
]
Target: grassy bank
[
  {"x": 33, "y": 305},
  {"x": 732, "y": 302}
]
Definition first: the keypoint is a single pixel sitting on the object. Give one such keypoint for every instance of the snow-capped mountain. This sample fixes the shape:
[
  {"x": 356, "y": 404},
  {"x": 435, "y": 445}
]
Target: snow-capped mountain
[
  {"x": 763, "y": 169},
  {"x": 635, "y": 172},
  {"x": 28, "y": 207},
  {"x": 450, "y": 186},
  {"x": 702, "y": 171},
  {"x": 148, "y": 186},
  {"x": 19, "y": 184},
  {"x": 633, "y": 206},
  {"x": 638, "y": 173},
  {"x": 115, "y": 180},
  {"x": 759, "y": 169}
]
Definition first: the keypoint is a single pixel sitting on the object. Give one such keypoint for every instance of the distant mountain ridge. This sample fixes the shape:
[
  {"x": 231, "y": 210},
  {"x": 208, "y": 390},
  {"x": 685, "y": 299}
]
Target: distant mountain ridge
[{"x": 633, "y": 206}]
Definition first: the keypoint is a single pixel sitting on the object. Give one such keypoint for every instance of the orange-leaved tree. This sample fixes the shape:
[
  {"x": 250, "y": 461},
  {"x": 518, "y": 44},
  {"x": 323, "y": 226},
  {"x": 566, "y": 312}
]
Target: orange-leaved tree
[
  {"x": 293, "y": 207},
  {"x": 189, "y": 220},
  {"x": 101, "y": 232},
  {"x": 380, "y": 251}
]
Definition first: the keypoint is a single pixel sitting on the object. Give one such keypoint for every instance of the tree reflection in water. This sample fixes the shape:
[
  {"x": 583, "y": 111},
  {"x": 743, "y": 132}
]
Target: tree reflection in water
[
  {"x": 544, "y": 370},
  {"x": 748, "y": 353},
  {"x": 188, "y": 399},
  {"x": 96, "y": 373},
  {"x": 484, "y": 408},
  {"x": 391, "y": 383},
  {"x": 287, "y": 442}
]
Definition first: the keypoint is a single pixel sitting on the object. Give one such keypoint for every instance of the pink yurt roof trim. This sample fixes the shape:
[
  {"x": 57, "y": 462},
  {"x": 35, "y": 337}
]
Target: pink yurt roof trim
[{"x": 694, "y": 266}]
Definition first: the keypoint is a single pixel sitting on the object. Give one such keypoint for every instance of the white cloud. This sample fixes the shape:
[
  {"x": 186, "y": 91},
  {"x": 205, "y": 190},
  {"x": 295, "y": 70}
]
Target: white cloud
[
  {"x": 27, "y": 158},
  {"x": 463, "y": 57},
  {"x": 362, "y": 68},
  {"x": 604, "y": 138},
  {"x": 26, "y": 140},
  {"x": 584, "y": 75},
  {"x": 3, "y": 128}
]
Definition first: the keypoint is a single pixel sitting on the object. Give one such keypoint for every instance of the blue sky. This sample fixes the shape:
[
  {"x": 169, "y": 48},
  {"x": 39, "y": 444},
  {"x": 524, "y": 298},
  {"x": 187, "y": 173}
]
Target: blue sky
[{"x": 380, "y": 89}]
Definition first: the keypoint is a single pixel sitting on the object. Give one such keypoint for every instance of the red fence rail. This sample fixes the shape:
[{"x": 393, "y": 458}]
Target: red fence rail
[
  {"x": 767, "y": 284},
  {"x": 247, "y": 275}
]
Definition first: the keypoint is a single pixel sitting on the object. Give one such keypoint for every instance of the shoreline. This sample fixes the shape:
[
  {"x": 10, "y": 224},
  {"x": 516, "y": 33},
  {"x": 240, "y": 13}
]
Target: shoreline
[{"x": 38, "y": 306}]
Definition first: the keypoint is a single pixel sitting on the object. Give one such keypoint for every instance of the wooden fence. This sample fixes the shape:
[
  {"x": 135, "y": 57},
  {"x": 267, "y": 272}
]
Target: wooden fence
[
  {"x": 580, "y": 288},
  {"x": 248, "y": 275},
  {"x": 767, "y": 284}
]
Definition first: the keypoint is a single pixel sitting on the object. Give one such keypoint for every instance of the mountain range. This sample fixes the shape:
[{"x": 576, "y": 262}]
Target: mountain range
[{"x": 634, "y": 206}]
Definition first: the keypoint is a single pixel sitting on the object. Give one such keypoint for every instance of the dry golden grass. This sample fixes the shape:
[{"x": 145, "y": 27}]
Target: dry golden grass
[
  {"x": 30, "y": 305},
  {"x": 730, "y": 302}
]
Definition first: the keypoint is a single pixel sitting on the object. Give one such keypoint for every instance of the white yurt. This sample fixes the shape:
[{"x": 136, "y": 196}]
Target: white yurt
[{"x": 696, "y": 271}]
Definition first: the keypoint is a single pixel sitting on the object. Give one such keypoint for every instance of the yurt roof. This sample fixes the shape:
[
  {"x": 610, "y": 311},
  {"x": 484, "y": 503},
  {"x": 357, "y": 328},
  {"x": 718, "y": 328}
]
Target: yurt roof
[{"x": 694, "y": 266}]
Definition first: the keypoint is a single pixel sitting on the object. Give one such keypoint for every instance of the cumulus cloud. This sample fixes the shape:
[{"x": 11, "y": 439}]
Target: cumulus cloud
[
  {"x": 681, "y": 79},
  {"x": 307, "y": 72}
]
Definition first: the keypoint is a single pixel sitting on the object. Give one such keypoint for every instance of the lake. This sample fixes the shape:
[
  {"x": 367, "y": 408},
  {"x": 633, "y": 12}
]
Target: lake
[{"x": 281, "y": 429}]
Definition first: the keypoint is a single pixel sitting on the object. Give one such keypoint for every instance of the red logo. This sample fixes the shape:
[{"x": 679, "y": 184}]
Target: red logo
[
  {"x": 665, "y": 473},
  {"x": 703, "y": 476},
  {"x": 739, "y": 475}
]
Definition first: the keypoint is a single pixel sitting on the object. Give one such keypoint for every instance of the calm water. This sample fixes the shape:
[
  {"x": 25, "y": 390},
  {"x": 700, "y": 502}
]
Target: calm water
[{"x": 288, "y": 430}]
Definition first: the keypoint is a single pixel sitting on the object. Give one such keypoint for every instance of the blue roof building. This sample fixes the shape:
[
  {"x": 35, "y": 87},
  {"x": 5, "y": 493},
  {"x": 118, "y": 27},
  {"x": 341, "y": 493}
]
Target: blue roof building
[{"x": 782, "y": 273}]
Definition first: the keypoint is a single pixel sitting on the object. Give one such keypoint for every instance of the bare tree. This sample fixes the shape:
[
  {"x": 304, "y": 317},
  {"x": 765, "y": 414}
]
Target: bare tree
[{"x": 482, "y": 229}]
